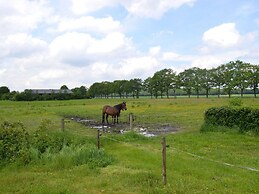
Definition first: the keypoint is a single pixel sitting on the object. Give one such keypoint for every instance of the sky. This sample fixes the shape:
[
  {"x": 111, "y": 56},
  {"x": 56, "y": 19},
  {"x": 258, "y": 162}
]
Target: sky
[{"x": 45, "y": 44}]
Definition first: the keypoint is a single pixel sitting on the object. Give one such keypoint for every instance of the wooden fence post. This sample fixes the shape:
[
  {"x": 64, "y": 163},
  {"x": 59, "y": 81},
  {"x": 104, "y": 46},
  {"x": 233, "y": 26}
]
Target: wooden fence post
[
  {"x": 98, "y": 139},
  {"x": 164, "y": 160},
  {"x": 131, "y": 120},
  {"x": 62, "y": 124}
]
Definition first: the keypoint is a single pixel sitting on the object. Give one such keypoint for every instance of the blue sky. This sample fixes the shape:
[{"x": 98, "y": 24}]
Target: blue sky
[{"x": 49, "y": 43}]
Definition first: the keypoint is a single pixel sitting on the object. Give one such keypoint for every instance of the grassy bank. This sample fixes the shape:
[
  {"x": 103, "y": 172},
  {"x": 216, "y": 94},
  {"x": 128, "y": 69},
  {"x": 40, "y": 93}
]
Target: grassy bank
[{"x": 212, "y": 162}]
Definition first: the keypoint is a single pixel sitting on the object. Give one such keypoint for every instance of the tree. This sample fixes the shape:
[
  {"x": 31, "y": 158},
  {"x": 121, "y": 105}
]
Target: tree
[
  {"x": 206, "y": 83},
  {"x": 136, "y": 86},
  {"x": 79, "y": 93},
  {"x": 4, "y": 92},
  {"x": 64, "y": 87},
  {"x": 156, "y": 85},
  {"x": 147, "y": 86},
  {"x": 228, "y": 71},
  {"x": 197, "y": 79},
  {"x": 217, "y": 78},
  {"x": 186, "y": 79},
  {"x": 119, "y": 87},
  {"x": 241, "y": 75},
  {"x": 254, "y": 77},
  {"x": 168, "y": 80},
  {"x": 175, "y": 84}
]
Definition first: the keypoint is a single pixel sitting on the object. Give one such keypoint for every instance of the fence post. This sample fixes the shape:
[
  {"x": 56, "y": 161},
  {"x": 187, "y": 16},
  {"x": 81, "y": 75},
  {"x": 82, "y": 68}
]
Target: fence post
[
  {"x": 62, "y": 124},
  {"x": 131, "y": 120},
  {"x": 164, "y": 160},
  {"x": 98, "y": 139}
]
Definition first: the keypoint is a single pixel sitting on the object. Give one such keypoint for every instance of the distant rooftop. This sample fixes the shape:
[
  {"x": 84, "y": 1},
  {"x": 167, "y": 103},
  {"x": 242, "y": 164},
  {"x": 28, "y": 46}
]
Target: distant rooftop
[{"x": 51, "y": 91}]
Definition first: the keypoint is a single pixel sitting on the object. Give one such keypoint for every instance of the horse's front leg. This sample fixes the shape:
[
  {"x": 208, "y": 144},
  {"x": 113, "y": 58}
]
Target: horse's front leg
[
  {"x": 107, "y": 118},
  {"x": 113, "y": 119}
]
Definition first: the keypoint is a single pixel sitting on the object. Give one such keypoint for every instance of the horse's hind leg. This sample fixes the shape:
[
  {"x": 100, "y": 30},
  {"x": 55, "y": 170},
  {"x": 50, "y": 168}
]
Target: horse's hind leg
[{"x": 103, "y": 118}]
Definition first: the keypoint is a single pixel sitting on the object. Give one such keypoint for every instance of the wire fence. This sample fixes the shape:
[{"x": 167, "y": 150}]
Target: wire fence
[
  {"x": 139, "y": 146},
  {"x": 162, "y": 150}
]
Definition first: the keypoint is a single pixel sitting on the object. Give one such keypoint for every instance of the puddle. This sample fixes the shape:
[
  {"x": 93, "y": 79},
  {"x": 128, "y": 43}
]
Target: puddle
[{"x": 147, "y": 130}]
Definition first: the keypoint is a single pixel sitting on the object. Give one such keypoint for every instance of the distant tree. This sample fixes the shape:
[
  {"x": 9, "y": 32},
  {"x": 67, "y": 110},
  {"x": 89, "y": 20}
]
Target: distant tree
[
  {"x": 79, "y": 93},
  {"x": 228, "y": 71},
  {"x": 254, "y": 77},
  {"x": 186, "y": 81},
  {"x": 119, "y": 87},
  {"x": 147, "y": 86},
  {"x": 136, "y": 86},
  {"x": 156, "y": 85},
  {"x": 197, "y": 79},
  {"x": 94, "y": 90},
  {"x": 217, "y": 78},
  {"x": 175, "y": 84},
  {"x": 167, "y": 79},
  {"x": 207, "y": 80},
  {"x": 241, "y": 75},
  {"x": 64, "y": 87},
  {"x": 4, "y": 92}
]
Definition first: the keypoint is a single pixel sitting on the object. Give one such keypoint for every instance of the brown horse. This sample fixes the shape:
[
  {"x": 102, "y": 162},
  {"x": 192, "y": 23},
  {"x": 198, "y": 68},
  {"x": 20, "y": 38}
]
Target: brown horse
[{"x": 113, "y": 111}]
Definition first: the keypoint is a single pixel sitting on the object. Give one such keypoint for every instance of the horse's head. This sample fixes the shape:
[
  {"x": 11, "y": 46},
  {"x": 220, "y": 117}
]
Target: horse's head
[{"x": 123, "y": 106}]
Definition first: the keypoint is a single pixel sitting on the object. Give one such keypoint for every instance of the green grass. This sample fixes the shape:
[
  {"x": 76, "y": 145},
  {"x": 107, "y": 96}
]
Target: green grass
[{"x": 196, "y": 162}]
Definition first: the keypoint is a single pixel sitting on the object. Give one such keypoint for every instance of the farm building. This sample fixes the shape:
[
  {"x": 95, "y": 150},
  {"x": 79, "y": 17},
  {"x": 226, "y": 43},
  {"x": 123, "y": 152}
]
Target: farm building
[{"x": 50, "y": 91}]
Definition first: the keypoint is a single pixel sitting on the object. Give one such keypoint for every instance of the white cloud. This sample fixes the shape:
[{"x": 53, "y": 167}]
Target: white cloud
[
  {"x": 83, "y": 48},
  {"x": 113, "y": 42},
  {"x": 170, "y": 56},
  {"x": 154, "y": 51},
  {"x": 224, "y": 35},
  {"x": 21, "y": 45},
  {"x": 153, "y": 8},
  {"x": 89, "y": 24},
  {"x": 88, "y": 6},
  {"x": 141, "y": 67},
  {"x": 140, "y": 8},
  {"x": 22, "y": 15},
  {"x": 70, "y": 44}
]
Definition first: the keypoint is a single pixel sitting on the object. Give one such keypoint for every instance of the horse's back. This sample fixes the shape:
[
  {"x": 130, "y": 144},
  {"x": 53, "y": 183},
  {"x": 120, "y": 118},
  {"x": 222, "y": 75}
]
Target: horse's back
[{"x": 110, "y": 110}]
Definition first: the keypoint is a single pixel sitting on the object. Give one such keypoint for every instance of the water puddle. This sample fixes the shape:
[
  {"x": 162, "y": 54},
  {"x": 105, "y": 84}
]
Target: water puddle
[{"x": 121, "y": 128}]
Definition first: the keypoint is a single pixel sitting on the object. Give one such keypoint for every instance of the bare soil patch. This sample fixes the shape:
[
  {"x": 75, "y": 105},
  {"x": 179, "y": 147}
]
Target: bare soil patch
[{"x": 148, "y": 130}]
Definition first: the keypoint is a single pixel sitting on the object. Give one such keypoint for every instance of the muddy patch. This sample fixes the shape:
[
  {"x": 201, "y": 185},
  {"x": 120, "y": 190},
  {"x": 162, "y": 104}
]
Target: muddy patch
[{"x": 148, "y": 130}]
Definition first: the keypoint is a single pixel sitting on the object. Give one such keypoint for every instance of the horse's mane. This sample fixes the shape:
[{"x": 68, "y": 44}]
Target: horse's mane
[{"x": 118, "y": 106}]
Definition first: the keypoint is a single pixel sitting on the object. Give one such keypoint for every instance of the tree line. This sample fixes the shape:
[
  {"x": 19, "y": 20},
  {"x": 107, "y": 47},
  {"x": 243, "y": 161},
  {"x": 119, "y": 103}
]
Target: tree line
[
  {"x": 232, "y": 77},
  {"x": 29, "y": 95}
]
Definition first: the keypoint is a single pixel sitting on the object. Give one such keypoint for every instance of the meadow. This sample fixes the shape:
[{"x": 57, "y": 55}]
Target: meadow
[{"x": 197, "y": 162}]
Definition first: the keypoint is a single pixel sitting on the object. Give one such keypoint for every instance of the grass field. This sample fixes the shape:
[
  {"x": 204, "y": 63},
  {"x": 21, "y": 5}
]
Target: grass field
[{"x": 211, "y": 162}]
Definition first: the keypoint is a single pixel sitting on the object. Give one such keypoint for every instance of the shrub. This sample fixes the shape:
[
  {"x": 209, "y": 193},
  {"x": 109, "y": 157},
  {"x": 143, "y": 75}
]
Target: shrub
[
  {"x": 246, "y": 119},
  {"x": 14, "y": 142},
  {"x": 236, "y": 102},
  {"x": 59, "y": 149}
]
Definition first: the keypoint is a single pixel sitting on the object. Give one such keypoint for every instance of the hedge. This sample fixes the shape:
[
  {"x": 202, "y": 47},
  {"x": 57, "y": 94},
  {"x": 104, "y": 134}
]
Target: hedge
[{"x": 246, "y": 119}]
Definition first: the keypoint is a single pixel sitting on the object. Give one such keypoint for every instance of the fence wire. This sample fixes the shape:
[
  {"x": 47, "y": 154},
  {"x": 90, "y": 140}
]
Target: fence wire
[{"x": 139, "y": 146}]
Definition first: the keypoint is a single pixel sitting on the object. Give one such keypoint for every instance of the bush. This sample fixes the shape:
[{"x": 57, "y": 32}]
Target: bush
[
  {"x": 246, "y": 119},
  {"x": 236, "y": 102},
  {"x": 58, "y": 149},
  {"x": 14, "y": 142}
]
